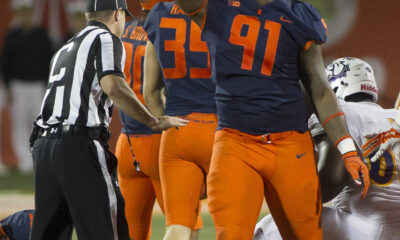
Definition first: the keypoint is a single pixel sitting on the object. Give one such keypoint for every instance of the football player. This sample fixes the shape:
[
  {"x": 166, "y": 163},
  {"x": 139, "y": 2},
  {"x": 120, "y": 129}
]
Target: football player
[
  {"x": 350, "y": 217},
  {"x": 177, "y": 60},
  {"x": 17, "y": 226},
  {"x": 260, "y": 49},
  {"x": 139, "y": 177}
]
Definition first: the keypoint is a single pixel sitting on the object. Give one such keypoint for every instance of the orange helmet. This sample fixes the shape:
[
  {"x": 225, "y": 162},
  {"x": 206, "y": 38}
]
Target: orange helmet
[{"x": 148, "y": 4}]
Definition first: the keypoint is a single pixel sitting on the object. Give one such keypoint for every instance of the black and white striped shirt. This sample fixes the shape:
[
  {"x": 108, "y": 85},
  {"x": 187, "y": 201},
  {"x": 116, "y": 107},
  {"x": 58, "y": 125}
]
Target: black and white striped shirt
[{"x": 74, "y": 95}]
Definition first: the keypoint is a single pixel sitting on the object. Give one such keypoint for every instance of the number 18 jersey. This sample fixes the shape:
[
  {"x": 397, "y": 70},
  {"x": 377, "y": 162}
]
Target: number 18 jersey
[{"x": 255, "y": 51}]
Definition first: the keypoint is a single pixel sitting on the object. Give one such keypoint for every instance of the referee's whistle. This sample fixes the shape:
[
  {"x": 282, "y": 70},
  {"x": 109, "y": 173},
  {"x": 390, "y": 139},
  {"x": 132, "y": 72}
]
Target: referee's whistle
[{"x": 137, "y": 166}]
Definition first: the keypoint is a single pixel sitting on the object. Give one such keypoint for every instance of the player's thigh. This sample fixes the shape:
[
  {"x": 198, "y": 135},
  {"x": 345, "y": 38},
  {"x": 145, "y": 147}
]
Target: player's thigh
[
  {"x": 139, "y": 201},
  {"x": 235, "y": 189},
  {"x": 338, "y": 224},
  {"x": 181, "y": 182},
  {"x": 142, "y": 149},
  {"x": 197, "y": 138},
  {"x": 292, "y": 192}
]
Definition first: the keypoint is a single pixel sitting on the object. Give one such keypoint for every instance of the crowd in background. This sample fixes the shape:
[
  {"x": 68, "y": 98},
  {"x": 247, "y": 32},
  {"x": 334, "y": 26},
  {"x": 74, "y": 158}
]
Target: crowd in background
[{"x": 24, "y": 65}]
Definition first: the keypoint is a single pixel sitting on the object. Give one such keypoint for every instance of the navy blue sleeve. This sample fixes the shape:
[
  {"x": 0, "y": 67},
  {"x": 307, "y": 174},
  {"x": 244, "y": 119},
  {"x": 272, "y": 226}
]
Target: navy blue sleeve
[
  {"x": 310, "y": 26},
  {"x": 153, "y": 22}
]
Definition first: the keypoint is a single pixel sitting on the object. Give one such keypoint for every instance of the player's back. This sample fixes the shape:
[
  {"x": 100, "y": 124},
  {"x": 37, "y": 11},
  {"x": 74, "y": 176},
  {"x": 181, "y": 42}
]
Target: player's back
[
  {"x": 255, "y": 52},
  {"x": 364, "y": 120},
  {"x": 184, "y": 58},
  {"x": 134, "y": 39}
]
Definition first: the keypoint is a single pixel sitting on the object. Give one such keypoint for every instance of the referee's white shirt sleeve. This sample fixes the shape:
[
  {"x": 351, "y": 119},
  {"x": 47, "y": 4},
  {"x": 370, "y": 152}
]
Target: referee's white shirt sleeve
[{"x": 110, "y": 59}]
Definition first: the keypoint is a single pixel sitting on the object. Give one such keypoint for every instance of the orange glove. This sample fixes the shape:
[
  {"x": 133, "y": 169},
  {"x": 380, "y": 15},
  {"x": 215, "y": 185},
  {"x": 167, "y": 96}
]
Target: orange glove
[{"x": 354, "y": 166}]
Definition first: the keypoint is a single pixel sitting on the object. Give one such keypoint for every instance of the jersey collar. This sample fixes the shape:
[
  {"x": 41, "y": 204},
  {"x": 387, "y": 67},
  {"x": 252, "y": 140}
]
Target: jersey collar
[{"x": 99, "y": 24}]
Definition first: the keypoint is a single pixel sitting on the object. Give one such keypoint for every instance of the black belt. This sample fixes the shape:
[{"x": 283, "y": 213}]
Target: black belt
[{"x": 99, "y": 133}]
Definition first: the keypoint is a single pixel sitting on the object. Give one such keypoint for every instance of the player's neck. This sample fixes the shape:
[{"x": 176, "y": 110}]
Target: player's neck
[{"x": 263, "y": 2}]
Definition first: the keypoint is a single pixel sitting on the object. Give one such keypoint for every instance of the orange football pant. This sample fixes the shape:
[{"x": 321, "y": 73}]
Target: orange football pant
[
  {"x": 280, "y": 166},
  {"x": 140, "y": 189},
  {"x": 185, "y": 155}
]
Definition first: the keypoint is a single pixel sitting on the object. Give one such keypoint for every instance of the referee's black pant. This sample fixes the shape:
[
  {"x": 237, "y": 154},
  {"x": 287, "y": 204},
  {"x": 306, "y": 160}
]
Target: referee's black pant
[{"x": 76, "y": 186}]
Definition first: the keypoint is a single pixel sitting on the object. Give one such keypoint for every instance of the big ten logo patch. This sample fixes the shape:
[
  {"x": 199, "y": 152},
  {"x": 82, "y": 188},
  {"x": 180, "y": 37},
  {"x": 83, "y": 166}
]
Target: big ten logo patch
[{"x": 233, "y": 3}]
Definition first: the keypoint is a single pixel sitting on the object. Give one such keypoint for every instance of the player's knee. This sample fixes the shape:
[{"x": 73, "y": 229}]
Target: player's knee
[
  {"x": 177, "y": 232},
  {"x": 232, "y": 232}
]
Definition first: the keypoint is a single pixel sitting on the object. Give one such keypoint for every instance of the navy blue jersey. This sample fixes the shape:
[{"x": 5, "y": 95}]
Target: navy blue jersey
[
  {"x": 17, "y": 226},
  {"x": 184, "y": 58},
  {"x": 134, "y": 40},
  {"x": 255, "y": 53}
]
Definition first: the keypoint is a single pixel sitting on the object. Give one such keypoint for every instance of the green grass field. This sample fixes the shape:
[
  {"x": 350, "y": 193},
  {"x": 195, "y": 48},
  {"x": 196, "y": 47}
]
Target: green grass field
[
  {"x": 158, "y": 228},
  {"x": 24, "y": 185}
]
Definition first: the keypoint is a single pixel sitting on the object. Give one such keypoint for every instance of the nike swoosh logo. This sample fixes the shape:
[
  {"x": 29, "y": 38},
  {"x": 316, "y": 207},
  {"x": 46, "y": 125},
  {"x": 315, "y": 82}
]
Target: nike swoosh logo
[
  {"x": 300, "y": 155},
  {"x": 285, "y": 20}
]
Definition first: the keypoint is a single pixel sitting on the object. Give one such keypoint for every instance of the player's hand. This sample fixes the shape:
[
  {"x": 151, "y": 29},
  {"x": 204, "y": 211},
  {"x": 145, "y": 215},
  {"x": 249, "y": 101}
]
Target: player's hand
[
  {"x": 166, "y": 122},
  {"x": 355, "y": 166},
  {"x": 381, "y": 143}
]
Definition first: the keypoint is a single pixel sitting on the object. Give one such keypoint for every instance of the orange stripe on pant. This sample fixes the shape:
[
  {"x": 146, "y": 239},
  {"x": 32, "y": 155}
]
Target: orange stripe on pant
[
  {"x": 245, "y": 168},
  {"x": 185, "y": 156},
  {"x": 140, "y": 189}
]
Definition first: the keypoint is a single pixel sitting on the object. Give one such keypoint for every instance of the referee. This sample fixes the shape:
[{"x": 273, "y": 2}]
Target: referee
[{"x": 75, "y": 181}]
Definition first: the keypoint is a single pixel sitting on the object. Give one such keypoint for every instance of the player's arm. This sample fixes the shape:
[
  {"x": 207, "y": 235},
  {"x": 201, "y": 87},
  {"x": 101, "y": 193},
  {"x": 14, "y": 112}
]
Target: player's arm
[
  {"x": 152, "y": 82},
  {"x": 196, "y": 9},
  {"x": 330, "y": 113},
  {"x": 124, "y": 98},
  {"x": 331, "y": 168}
]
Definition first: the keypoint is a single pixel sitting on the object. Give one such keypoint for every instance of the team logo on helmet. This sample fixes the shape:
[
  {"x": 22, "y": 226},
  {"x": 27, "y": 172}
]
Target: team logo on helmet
[{"x": 338, "y": 69}]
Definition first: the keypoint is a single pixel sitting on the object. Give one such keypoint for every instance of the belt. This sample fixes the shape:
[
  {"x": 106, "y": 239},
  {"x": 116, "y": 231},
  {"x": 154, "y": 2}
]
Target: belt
[{"x": 96, "y": 133}]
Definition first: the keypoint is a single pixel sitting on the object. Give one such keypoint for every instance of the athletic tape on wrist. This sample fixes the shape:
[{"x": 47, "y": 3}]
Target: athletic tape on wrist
[
  {"x": 350, "y": 154},
  {"x": 332, "y": 117},
  {"x": 345, "y": 145}
]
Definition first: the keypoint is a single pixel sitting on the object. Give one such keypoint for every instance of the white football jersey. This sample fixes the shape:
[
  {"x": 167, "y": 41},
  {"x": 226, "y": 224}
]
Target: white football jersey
[
  {"x": 336, "y": 225},
  {"x": 382, "y": 202}
]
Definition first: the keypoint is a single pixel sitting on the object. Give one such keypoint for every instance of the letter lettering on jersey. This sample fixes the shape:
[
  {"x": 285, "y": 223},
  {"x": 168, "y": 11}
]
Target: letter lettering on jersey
[
  {"x": 249, "y": 41},
  {"x": 177, "y": 46},
  {"x": 138, "y": 34},
  {"x": 176, "y": 10},
  {"x": 127, "y": 31}
]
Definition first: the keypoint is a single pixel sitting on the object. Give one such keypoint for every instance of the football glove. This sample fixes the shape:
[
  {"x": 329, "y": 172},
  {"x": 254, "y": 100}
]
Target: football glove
[{"x": 357, "y": 169}]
